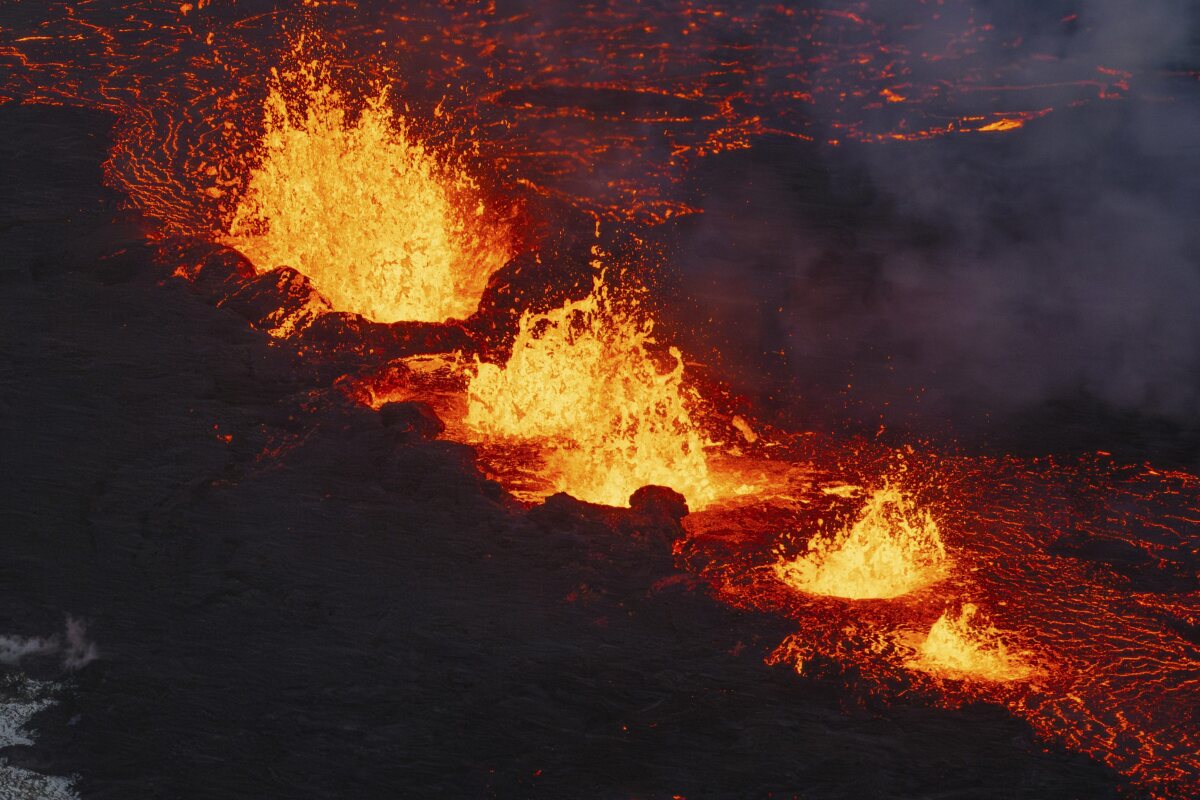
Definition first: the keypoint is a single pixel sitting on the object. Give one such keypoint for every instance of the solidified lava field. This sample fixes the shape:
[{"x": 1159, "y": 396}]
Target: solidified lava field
[{"x": 607, "y": 400}]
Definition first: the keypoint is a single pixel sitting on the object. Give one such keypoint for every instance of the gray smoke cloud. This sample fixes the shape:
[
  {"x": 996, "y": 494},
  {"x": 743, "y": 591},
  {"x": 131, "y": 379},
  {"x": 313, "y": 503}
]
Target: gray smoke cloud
[{"x": 986, "y": 273}]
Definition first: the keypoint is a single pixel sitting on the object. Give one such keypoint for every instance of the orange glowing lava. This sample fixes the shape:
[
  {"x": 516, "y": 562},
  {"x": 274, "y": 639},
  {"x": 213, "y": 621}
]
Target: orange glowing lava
[
  {"x": 590, "y": 381},
  {"x": 589, "y": 108},
  {"x": 963, "y": 645},
  {"x": 382, "y": 225},
  {"x": 891, "y": 549}
]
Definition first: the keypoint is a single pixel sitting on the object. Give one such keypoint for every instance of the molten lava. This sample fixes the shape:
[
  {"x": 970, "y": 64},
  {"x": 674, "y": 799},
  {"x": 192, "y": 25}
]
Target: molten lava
[
  {"x": 963, "y": 645},
  {"x": 891, "y": 549},
  {"x": 590, "y": 381},
  {"x": 590, "y": 107},
  {"x": 1091, "y": 562},
  {"x": 379, "y": 223}
]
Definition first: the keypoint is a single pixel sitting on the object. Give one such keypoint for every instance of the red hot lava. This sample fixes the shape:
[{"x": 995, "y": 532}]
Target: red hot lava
[{"x": 1064, "y": 592}]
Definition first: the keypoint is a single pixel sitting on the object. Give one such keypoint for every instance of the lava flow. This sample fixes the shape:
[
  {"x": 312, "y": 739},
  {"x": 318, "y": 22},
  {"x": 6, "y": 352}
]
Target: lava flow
[
  {"x": 604, "y": 106},
  {"x": 1085, "y": 574},
  {"x": 381, "y": 225}
]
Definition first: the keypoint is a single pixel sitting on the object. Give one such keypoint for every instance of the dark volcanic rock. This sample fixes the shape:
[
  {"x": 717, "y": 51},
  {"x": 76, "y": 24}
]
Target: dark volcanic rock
[
  {"x": 1102, "y": 549},
  {"x": 338, "y": 332},
  {"x": 267, "y": 299},
  {"x": 284, "y": 299},
  {"x": 413, "y": 417},
  {"x": 534, "y": 281},
  {"x": 214, "y": 271},
  {"x": 1143, "y": 571},
  {"x": 659, "y": 501}
]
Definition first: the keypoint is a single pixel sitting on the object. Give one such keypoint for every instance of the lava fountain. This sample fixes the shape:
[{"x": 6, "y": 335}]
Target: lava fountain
[
  {"x": 891, "y": 549},
  {"x": 965, "y": 645},
  {"x": 381, "y": 224},
  {"x": 590, "y": 381}
]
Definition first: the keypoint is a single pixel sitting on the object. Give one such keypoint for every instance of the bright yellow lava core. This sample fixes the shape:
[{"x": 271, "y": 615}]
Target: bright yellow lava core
[
  {"x": 379, "y": 223},
  {"x": 891, "y": 549},
  {"x": 589, "y": 381}
]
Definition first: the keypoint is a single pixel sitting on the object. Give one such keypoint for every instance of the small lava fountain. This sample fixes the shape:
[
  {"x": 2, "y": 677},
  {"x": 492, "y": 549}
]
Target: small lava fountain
[
  {"x": 891, "y": 549},
  {"x": 590, "y": 380},
  {"x": 381, "y": 224},
  {"x": 965, "y": 645}
]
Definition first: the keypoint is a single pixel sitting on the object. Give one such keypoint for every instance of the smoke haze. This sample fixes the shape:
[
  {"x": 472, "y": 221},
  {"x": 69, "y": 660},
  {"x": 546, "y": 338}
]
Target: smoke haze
[{"x": 978, "y": 275}]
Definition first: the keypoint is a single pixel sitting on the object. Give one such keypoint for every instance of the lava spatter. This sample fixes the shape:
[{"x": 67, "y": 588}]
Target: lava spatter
[{"x": 962, "y": 644}]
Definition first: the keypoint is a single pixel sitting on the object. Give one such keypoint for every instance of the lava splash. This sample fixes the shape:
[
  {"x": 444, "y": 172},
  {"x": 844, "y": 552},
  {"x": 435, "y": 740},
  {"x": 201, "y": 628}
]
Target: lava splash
[{"x": 963, "y": 644}]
